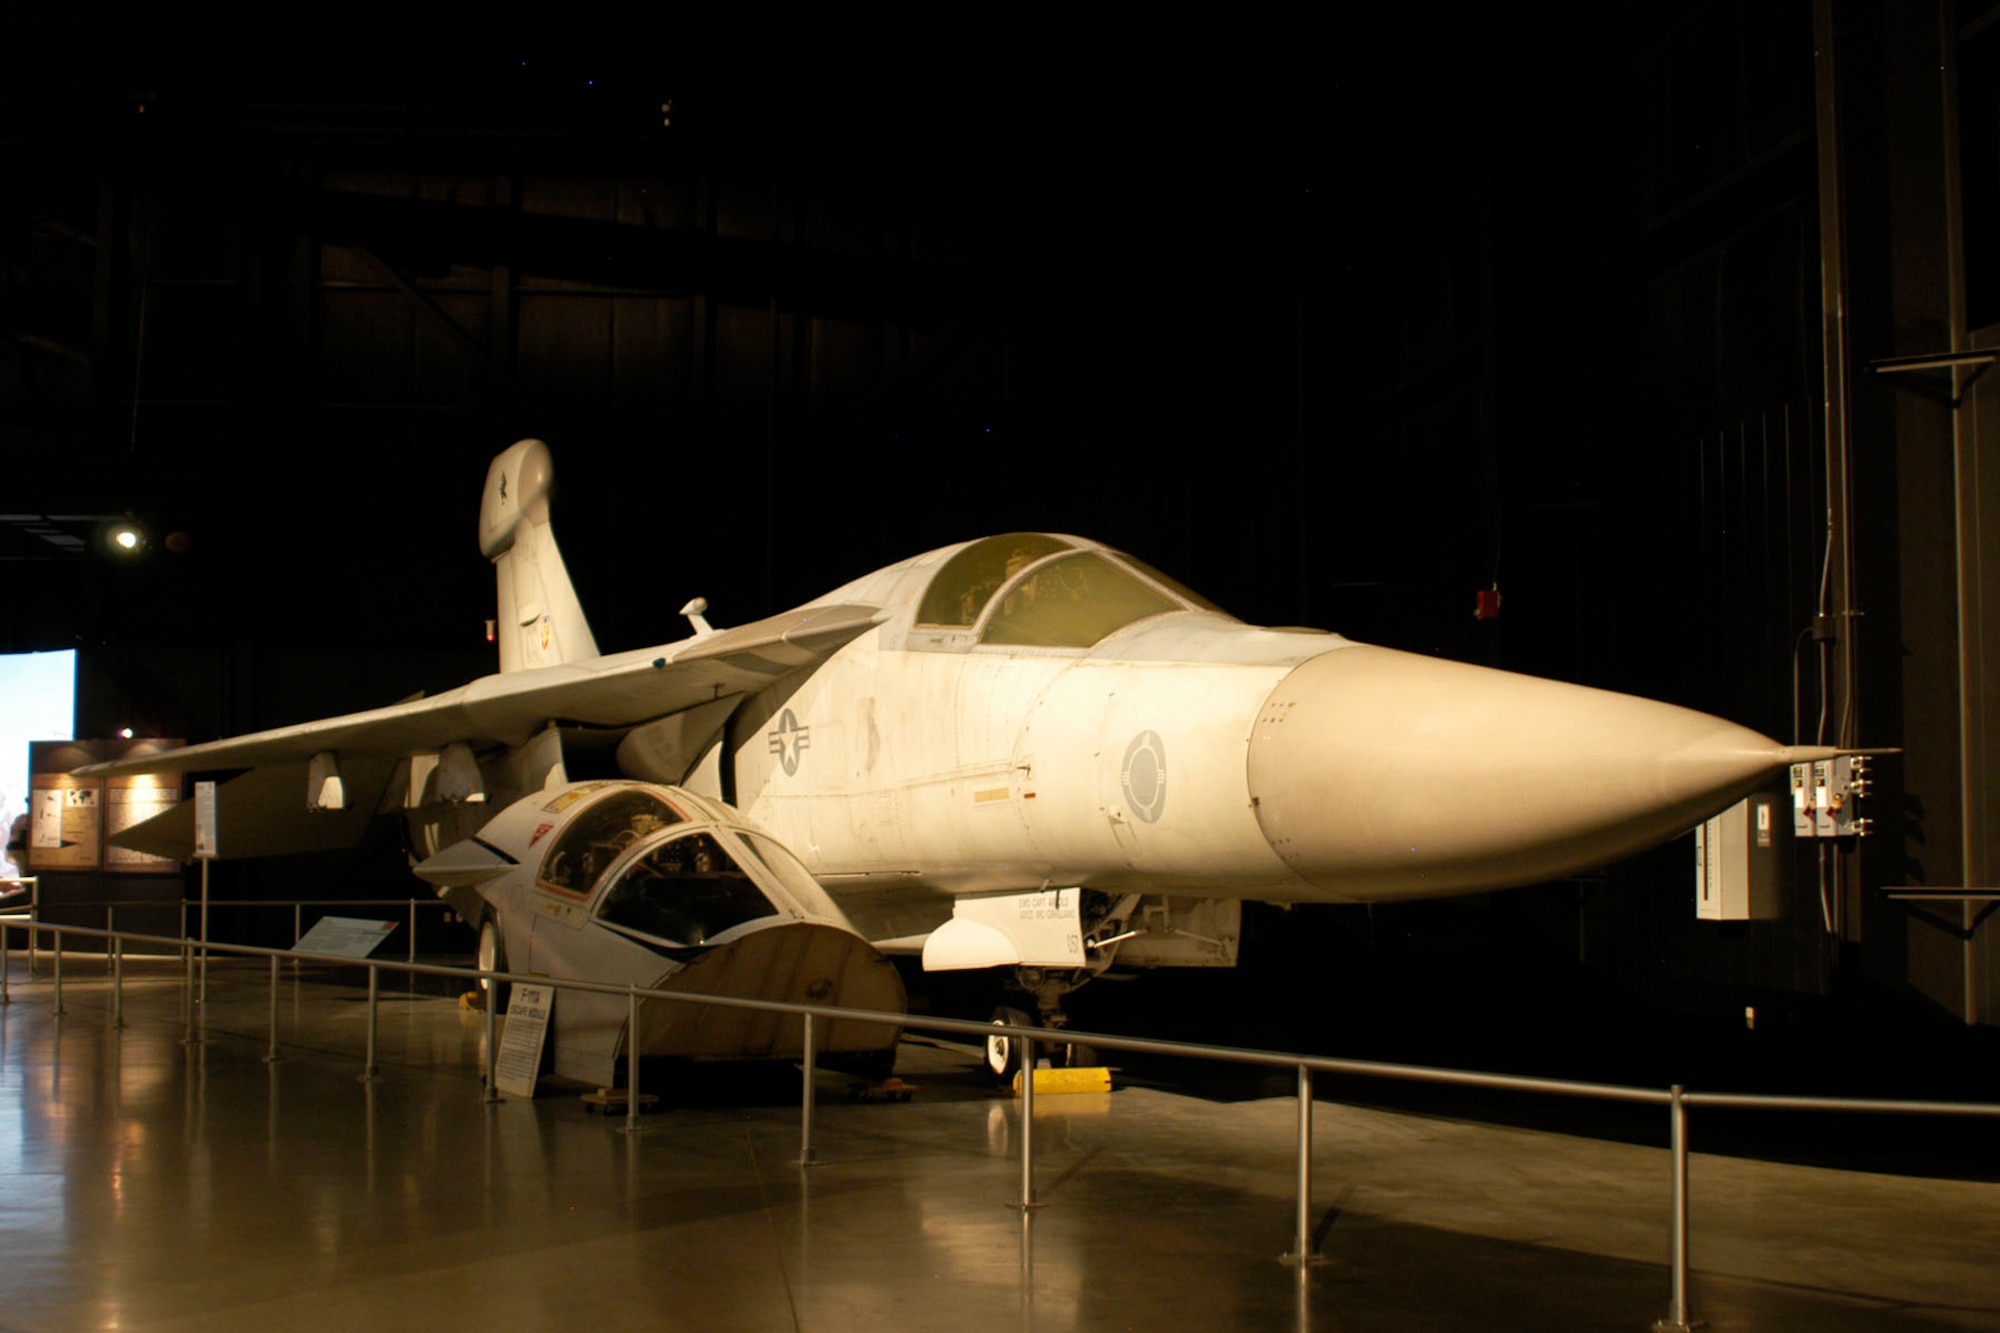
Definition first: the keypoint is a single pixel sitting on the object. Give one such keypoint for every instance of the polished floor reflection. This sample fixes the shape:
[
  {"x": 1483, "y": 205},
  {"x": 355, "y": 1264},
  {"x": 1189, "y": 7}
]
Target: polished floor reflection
[{"x": 151, "y": 1183}]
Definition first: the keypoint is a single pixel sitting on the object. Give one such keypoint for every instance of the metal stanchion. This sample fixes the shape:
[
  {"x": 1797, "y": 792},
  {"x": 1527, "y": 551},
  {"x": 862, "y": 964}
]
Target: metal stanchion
[
  {"x": 110, "y": 918},
  {"x": 413, "y": 930},
  {"x": 297, "y": 922},
  {"x": 117, "y": 983},
  {"x": 1677, "y": 1320},
  {"x": 631, "y": 1059},
  {"x": 59, "y": 1004},
  {"x": 201, "y": 995},
  {"x": 810, "y": 1058},
  {"x": 492, "y": 1041},
  {"x": 271, "y": 1056},
  {"x": 374, "y": 976},
  {"x": 187, "y": 994},
  {"x": 1027, "y": 1120},
  {"x": 1302, "y": 1245}
]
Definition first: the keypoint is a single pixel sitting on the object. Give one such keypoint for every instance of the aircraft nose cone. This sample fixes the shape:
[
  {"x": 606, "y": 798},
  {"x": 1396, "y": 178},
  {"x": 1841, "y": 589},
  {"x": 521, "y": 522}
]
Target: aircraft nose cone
[{"x": 1379, "y": 773}]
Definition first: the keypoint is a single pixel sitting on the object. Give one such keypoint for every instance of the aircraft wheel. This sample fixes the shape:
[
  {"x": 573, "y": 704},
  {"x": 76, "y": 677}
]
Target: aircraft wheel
[
  {"x": 1003, "y": 1052},
  {"x": 1076, "y": 1055},
  {"x": 492, "y": 958}
]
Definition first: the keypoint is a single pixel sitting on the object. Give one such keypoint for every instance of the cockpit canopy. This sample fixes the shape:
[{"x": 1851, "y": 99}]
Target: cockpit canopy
[
  {"x": 684, "y": 891},
  {"x": 1035, "y": 590},
  {"x": 599, "y": 835},
  {"x": 651, "y": 873}
]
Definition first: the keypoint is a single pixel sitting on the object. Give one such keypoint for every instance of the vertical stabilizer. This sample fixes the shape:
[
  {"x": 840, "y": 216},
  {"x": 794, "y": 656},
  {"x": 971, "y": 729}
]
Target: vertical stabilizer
[{"x": 541, "y": 623}]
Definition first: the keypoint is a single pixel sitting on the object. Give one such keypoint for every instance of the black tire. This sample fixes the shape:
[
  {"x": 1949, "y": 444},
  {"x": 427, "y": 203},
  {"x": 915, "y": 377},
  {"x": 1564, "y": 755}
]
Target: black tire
[
  {"x": 492, "y": 957},
  {"x": 1003, "y": 1051},
  {"x": 1076, "y": 1055}
]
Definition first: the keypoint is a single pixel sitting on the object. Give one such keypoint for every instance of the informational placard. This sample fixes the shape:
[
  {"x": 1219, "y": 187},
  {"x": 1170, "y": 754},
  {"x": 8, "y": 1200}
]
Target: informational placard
[
  {"x": 131, "y": 801},
  {"x": 521, "y": 1039},
  {"x": 344, "y": 936},
  {"x": 64, "y": 824},
  {"x": 204, "y": 821}
]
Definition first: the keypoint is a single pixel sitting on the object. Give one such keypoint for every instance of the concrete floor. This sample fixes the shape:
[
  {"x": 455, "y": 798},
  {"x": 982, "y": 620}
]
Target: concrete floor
[{"x": 148, "y": 1184}]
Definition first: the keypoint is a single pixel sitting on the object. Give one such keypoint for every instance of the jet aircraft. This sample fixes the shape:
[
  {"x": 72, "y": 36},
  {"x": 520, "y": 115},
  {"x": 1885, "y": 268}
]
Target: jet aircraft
[{"x": 1027, "y": 752}]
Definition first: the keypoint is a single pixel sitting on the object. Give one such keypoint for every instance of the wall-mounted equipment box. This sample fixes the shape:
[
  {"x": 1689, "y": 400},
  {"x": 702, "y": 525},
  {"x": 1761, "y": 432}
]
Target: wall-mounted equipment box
[
  {"x": 1826, "y": 797},
  {"x": 1736, "y": 862}
]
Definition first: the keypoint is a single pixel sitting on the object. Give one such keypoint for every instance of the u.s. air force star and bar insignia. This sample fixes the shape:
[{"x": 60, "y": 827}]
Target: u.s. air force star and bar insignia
[{"x": 788, "y": 741}]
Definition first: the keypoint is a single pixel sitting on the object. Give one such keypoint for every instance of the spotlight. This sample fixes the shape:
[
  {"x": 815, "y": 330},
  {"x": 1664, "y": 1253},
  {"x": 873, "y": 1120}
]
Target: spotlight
[{"x": 125, "y": 536}]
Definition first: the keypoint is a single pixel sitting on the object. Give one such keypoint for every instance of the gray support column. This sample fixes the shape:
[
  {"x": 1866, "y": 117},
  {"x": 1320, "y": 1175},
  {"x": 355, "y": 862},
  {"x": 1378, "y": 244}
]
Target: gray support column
[
  {"x": 1302, "y": 1216},
  {"x": 271, "y": 1056},
  {"x": 1965, "y": 487},
  {"x": 631, "y": 1059},
  {"x": 374, "y": 989},
  {"x": 201, "y": 992},
  {"x": 492, "y": 1044},
  {"x": 1677, "y": 1320},
  {"x": 809, "y": 1059},
  {"x": 1027, "y": 1120}
]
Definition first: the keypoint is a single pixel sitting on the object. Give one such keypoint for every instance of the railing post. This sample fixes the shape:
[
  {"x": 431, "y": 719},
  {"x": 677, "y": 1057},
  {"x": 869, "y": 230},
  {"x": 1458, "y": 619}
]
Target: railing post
[
  {"x": 809, "y": 1059},
  {"x": 492, "y": 1042},
  {"x": 1301, "y": 1253},
  {"x": 110, "y": 920},
  {"x": 59, "y": 1004},
  {"x": 374, "y": 976},
  {"x": 187, "y": 992},
  {"x": 1677, "y": 1320},
  {"x": 271, "y": 1056},
  {"x": 413, "y": 931},
  {"x": 298, "y": 922},
  {"x": 1027, "y": 1120},
  {"x": 201, "y": 996},
  {"x": 117, "y": 983},
  {"x": 631, "y": 1059}
]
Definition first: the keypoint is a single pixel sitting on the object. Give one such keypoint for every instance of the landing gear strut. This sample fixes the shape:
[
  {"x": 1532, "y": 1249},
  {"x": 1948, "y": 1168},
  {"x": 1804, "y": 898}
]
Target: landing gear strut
[{"x": 1044, "y": 990}]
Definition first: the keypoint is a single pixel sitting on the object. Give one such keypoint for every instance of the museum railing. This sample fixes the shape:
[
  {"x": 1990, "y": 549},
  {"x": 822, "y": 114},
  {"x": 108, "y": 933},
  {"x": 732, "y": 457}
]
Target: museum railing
[
  {"x": 298, "y": 907},
  {"x": 1677, "y": 1100}
]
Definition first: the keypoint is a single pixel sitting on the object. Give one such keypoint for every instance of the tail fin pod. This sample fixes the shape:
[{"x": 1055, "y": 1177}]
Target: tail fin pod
[{"x": 541, "y": 622}]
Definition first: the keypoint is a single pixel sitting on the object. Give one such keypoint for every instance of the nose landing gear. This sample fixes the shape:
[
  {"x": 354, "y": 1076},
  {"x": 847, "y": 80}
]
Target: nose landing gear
[{"x": 1003, "y": 1049}]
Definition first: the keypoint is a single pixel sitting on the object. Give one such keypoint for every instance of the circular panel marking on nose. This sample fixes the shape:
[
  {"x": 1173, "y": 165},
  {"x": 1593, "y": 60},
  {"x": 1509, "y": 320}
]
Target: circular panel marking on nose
[{"x": 1144, "y": 776}]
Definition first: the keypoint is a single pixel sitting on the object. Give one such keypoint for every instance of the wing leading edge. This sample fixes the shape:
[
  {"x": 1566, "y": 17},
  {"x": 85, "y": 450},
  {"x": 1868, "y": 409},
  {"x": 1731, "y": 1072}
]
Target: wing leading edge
[{"x": 623, "y": 689}]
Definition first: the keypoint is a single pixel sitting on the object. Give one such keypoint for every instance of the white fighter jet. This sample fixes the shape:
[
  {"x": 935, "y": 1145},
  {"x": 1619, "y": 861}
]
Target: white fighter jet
[{"x": 1028, "y": 752}]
